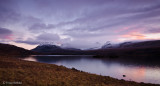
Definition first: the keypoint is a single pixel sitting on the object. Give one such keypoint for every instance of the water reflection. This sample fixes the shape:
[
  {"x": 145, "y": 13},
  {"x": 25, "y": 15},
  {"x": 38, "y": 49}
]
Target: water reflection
[
  {"x": 30, "y": 59},
  {"x": 134, "y": 71}
]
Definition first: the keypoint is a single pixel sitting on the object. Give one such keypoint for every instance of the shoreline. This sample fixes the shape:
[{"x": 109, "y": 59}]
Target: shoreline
[{"x": 36, "y": 73}]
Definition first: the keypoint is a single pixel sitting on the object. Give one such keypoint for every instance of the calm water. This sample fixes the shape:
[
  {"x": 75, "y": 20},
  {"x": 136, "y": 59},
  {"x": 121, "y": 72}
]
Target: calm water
[{"x": 147, "y": 73}]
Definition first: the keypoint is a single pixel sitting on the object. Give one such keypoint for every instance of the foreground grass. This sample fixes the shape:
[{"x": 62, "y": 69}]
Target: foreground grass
[{"x": 41, "y": 74}]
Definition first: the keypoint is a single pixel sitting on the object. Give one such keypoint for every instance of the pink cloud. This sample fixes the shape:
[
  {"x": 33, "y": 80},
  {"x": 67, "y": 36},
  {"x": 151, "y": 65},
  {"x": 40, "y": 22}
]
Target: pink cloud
[
  {"x": 9, "y": 37},
  {"x": 123, "y": 29},
  {"x": 132, "y": 36}
]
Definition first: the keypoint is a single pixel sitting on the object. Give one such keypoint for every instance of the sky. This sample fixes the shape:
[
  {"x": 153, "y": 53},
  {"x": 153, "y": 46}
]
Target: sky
[{"x": 78, "y": 23}]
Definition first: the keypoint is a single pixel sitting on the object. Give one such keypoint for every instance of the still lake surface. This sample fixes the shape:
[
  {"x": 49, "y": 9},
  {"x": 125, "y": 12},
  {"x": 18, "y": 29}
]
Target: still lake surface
[{"x": 142, "y": 72}]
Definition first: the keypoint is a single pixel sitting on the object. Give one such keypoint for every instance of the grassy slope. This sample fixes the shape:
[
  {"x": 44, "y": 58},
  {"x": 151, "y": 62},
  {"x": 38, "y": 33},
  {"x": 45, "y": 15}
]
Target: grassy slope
[{"x": 41, "y": 74}]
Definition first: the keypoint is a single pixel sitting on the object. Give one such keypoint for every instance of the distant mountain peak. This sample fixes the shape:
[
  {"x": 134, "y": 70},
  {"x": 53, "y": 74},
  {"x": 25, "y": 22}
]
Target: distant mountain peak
[
  {"x": 124, "y": 44},
  {"x": 107, "y": 45},
  {"x": 46, "y": 48},
  {"x": 132, "y": 44}
]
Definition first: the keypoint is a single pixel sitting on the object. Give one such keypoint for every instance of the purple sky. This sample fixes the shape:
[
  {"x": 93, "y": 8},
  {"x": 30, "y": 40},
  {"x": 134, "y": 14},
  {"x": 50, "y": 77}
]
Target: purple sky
[{"x": 78, "y": 23}]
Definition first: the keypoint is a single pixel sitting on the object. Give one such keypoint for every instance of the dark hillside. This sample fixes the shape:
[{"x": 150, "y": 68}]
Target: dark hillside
[
  {"x": 7, "y": 49},
  {"x": 129, "y": 50},
  {"x": 56, "y": 50}
]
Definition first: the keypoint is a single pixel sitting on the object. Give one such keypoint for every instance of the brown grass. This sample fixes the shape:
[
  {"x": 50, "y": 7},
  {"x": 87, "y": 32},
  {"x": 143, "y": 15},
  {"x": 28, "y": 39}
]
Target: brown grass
[{"x": 41, "y": 74}]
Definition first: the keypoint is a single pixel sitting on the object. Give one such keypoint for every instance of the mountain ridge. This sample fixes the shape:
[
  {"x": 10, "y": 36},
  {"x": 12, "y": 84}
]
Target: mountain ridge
[
  {"x": 54, "y": 49},
  {"x": 132, "y": 44},
  {"x": 8, "y": 49}
]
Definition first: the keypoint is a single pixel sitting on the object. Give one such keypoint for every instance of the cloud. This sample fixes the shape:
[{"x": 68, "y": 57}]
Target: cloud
[
  {"x": 8, "y": 16},
  {"x": 44, "y": 38},
  {"x": 5, "y": 33},
  {"x": 153, "y": 30},
  {"x": 7, "y": 12},
  {"x": 101, "y": 15},
  {"x": 37, "y": 27},
  {"x": 134, "y": 35},
  {"x": 95, "y": 15},
  {"x": 91, "y": 20},
  {"x": 28, "y": 42},
  {"x": 48, "y": 37}
]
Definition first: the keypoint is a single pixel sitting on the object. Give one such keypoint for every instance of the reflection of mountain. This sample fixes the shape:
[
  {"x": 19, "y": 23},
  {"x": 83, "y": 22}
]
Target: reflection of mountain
[
  {"x": 54, "y": 59},
  {"x": 6, "y": 49},
  {"x": 134, "y": 62}
]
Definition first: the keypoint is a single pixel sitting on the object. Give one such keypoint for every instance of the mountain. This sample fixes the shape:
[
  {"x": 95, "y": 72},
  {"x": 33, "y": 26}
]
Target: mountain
[
  {"x": 107, "y": 45},
  {"x": 142, "y": 44},
  {"x": 47, "y": 48},
  {"x": 93, "y": 48},
  {"x": 124, "y": 44},
  {"x": 7, "y": 49},
  {"x": 140, "y": 50},
  {"x": 154, "y": 43},
  {"x": 72, "y": 49},
  {"x": 53, "y": 49}
]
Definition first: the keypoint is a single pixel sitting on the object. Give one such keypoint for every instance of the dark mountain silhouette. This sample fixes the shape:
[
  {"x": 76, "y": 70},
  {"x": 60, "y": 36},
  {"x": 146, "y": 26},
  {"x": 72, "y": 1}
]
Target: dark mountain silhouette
[
  {"x": 53, "y": 49},
  {"x": 145, "y": 49},
  {"x": 155, "y": 43},
  {"x": 140, "y": 50},
  {"x": 47, "y": 48},
  {"x": 124, "y": 44},
  {"x": 7, "y": 49},
  {"x": 107, "y": 45},
  {"x": 130, "y": 44},
  {"x": 126, "y": 49},
  {"x": 72, "y": 49}
]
